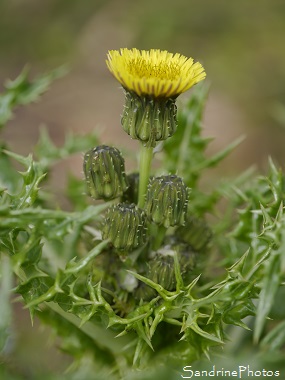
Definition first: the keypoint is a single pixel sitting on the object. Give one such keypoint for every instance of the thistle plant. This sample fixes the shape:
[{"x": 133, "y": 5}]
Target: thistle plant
[
  {"x": 152, "y": 81},
  {"x": 135, "y": 278}
]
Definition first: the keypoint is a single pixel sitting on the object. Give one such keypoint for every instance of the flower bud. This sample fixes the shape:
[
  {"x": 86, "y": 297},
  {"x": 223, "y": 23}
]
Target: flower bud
[
  {"x": 195, "y": 232},
  {"x": 161, "y": 266},
  {"x": 187, "y": 257},
  {"x": 161, "y": 271},
  {"x": 166, "y": 200},
  {"x": 132, "y": 192},
  {"x": 125, "y": 225},
  {"x": 104, "y": 170},
  {"x": 149, "y": 119},
  {"x": 144, "y": 292}
]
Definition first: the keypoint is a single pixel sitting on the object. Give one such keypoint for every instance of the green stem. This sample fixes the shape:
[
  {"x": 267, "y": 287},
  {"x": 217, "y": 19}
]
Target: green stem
[
  {"x": 160, "y": 234},
  {"x": 145, "y": 164}
]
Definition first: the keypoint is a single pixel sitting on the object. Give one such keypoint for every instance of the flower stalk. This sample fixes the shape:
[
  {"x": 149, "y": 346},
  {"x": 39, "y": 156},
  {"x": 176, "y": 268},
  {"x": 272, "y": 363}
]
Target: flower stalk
[
  {"x": 145, "y": 159},
  {"x": 159, "y": 237}
]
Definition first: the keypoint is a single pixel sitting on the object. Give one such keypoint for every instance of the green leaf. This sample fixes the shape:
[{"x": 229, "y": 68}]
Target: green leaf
[
  {"x": 73, "y": 267},
  {"x": 9, "y": 178},
  {"x": 77, "y": 341},
  {"x": 218, "y": 157},
  {"x": 75, "y": 191},
  {"x": 34, "y": 289},
  {"x": 21, "y": 91},
  {"x": 47, "y": 152},
  {"x": 195, "y": 327},
  {"x": 270, "y": 285},
  {"x": 275, "y": 339},
  {"x": 31, "y": 179},
  {"x": 5, "y": 304}
]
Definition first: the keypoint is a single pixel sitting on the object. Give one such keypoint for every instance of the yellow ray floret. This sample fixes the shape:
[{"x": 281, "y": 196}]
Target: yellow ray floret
[{"x": 155, "y": 72}]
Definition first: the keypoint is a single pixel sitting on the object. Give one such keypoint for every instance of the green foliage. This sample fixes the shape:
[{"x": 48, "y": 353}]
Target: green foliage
[
  {"x": 77, "y": 283},
  {"x": 5, "y": 310},
  {"x": 21, "y": 91},
  {"x": 48, "y": 153}
]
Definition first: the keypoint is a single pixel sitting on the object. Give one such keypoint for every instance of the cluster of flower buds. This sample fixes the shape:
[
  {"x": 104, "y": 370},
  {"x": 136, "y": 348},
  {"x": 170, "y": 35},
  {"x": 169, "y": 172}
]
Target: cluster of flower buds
[{"x": 125, "y": 224}]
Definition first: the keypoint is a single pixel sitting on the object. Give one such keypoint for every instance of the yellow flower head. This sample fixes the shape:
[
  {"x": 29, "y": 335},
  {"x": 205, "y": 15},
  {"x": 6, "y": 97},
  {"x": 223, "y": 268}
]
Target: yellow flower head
[{"x": 154, "y": 73}]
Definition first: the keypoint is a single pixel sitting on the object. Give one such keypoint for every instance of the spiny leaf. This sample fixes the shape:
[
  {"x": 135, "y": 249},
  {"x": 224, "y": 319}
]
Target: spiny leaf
[
  {"x": 47, "y": 152},
  {"x": 9, "y": 177},
  {"x": 74, "y": 267},
  {"x": 218, "y": 157},
  {"x": 21, "y": 91},
  {"x": 31, "y": 179},
  {"x": 197, "y": 329}
]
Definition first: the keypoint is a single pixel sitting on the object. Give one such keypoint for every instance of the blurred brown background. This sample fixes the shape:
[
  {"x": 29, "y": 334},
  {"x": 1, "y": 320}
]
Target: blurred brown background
[{"x": 240, "y": 43}]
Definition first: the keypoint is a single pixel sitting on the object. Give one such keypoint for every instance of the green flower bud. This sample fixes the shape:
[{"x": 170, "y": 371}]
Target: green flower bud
[
  {"x": 195, "y": 232},
  {"x": 132, "y": 192},
  {"x": 104, "y": 170},
  {"x": 187, "y": 257},
  {"x": 160, "y": 267},
  {"x": 144, "y": 292},
  {"x": 166, "y": 200},
  {"x": 125, "y": 225},
  {"x": 161, "y": 271},
  {"x": 149, "y": 119}
]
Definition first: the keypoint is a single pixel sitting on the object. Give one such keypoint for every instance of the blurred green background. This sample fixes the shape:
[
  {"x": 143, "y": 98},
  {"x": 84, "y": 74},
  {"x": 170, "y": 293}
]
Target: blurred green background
[{"x": 240, "y": 43}]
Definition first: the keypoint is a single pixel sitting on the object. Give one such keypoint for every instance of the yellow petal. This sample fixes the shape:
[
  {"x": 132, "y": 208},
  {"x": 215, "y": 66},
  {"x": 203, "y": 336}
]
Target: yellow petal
[{"x": 154, "y": 73}]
